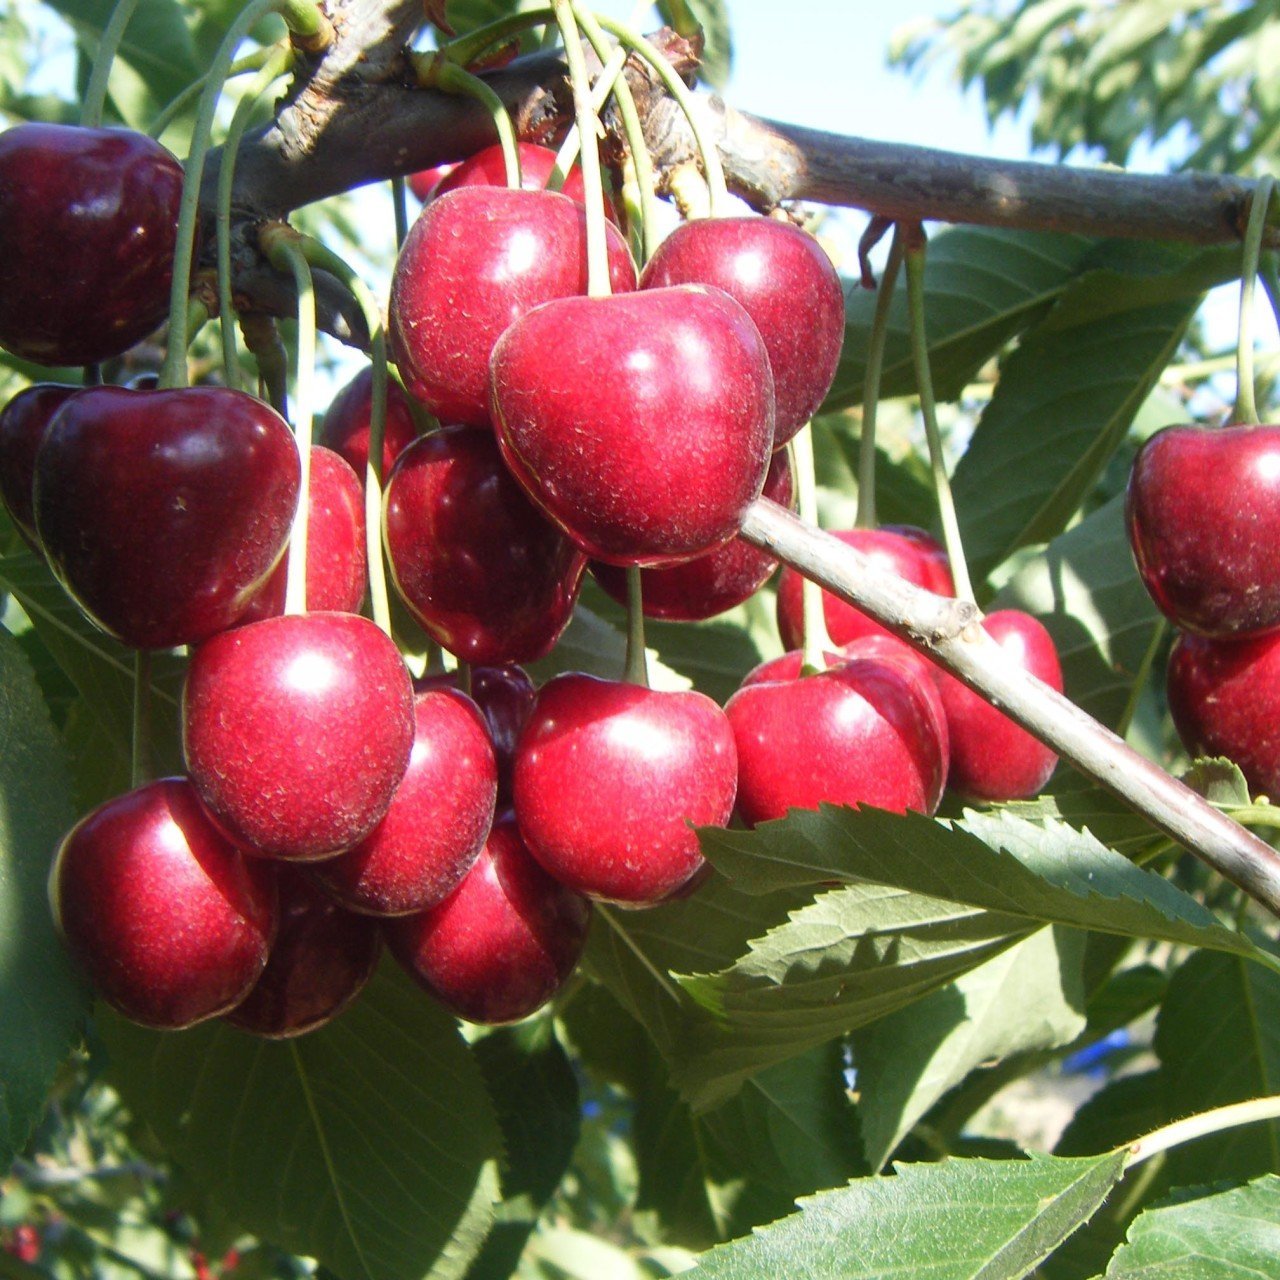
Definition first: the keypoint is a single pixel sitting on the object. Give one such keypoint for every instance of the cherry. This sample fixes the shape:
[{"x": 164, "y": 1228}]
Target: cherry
[
  {"x": 991, "y": 757},
  {"x": 609, "y": 777},
  {"x": 26, "y": 1244},
  {"x": 1203, "y": 510},
  {"x": 862, "y": 732},
  {"x": 423, "y": 183},
  {"x": 709, "y": 584},
  {"x": 1224, "y": 696},
  {"x": 474, "y": 261},
  {"x": 297, "y": 731},
  {"x": 320, "y": 960},
  {"x": 649, "y": 434},
  {"x": 789, "y": 287},
  {"x": 479, "y": 567},
  {"x": 169, "y": 920},
  {"x": 346, "y": 424},
  {"x": 337, "y": 563},
  {"x": 163, "y": 512},
  {"x": 23, "y": 422},
  {"x": 902, "y": 549},
  {"x": 88, "y": 221},
  {"x": 503, "y": 943},
  {"x": 438, "y": 819}
]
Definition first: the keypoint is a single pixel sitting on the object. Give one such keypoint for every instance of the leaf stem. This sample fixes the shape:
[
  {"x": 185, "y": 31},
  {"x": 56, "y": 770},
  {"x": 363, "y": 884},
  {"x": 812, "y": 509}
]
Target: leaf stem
[
  {"x": 1201, "y": 1125},
  {"x": 866, "y": 517},
  {"x": 816, "y": 641},
  {"x": 637, "y": 668},
  {"x": 95, "y": 95},
  {"x": 1246, "y": 409}
]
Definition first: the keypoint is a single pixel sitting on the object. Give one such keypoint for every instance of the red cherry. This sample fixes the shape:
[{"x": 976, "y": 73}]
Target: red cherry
[
  {"x": 991, "y": 757},
  {"x": 480, "y": 568},
  {"x": 345, "y": 428},
  {"x": 88, "y": 221},
  {"x": 438, "y": 819},
  {"x": 163, "y": 512},
  {"x": 609, "y": 777},
  {"x": 423, "y": 183},
  {"x": 706, "y": 585},
  {"x": 320, "y": 961},
  {"x": 648, "y": 436},
  {"x": 23, "y": 422},
  {"x": 790, "y": 289},
  {"x": 902, "y": 549},
  {"x": 503, "y": 943},
  {"x": 337, "y": 561},
  {"x": 863, "y": 732},
  {"x": 1224, "y": 696},
  {"x": 1203, "y": 510},
  {"x": 297, "y": 731},
  {"x": 169, "y": 920},
  {"x": 26, "y": 1244},
  {"x": 474, "y": 261}
]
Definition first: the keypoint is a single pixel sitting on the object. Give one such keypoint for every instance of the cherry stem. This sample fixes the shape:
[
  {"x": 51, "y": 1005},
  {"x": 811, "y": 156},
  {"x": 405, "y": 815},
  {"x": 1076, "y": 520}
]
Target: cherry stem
[
  {"x": 677, "y": 88},
  {"x": 275, "y": 66},
  {"x": 637, "y": 668},
  {"x": 262, "y": 337},
  {"x": 250, "y": 62},
  {"x": 140, "y": 761},
  {"x": 1141, "y": 677},
  {"x": 467, "y": 49},
  {"x": 282, "y": 246},
  {"x": 817, "y": 640},
  {"x": 598, "y": 285},
  {"x": 303, "y": 19},
  {"x": 324, "y": 258},
  {"x": 866, "y": 517},
  {"x": 914, "y": 249},
  {"x": 1199, "y": 1126},
  {"x": 400, "y": 204},
  {"x": 1246, "y": 410},
  {"x": 95, "y": 95},
  {"x": 433, "y": 71}
]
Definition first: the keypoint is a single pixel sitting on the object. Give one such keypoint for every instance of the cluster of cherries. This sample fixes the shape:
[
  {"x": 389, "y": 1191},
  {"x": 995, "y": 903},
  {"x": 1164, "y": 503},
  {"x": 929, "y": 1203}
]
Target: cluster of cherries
[
  {"x": 330, "y": 800},
  {"x": 1203, "y": 511}
]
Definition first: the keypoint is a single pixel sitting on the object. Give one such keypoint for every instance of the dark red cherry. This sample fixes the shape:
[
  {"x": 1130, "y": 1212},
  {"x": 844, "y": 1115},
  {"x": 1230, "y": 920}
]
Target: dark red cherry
[
  {"x": 706, "y": 585},
  {"x": 609, "y": 780},
  {"x": 22, "y": 426},
  {"x": 1203, "y": 509},
  {"x": 297, "y": 731},
  {"x": 438, "y": 819},
  {"x": 170, "y": 921},
  {"x": 648, "y": 435},
  {"x": 474, "y": 261},
  {"x": 163, "y": 512},
  {"x": 88, "y": 224},
  {"x": 789, "y": 287},
  {"x": 503, "y": 943},
  {"x": 486, "y": 575},
  {"x": 901, "y": 549},
  {"x": 320, "y": 960},
  {"x": 345, "y": 428}
]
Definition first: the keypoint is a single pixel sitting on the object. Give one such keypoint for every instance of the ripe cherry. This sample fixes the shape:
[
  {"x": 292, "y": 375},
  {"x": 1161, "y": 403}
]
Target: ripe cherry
[
  {"x": 346, "y": 424},
  {"x": 23, "y": 422}
]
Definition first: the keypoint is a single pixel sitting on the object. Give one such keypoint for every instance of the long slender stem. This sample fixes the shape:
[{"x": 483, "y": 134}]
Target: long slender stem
[
  {"x": 399, "y": 203},
  {"x": 1158, "y": 633},
  {"x": 866, "y": 517},
  {"x": 140, "y": 763},
  {"x": 95, "y": 95},
  {"x": 1199, "y": 1126},
  {"x": 637, "y": 669},
  {"x": 436, "y": 72},
  {"x": 915, "y": 256},
  {"x": 250, "y": 62},
  {"x": 1246, "y": 410},
  {"x": 817, "y": 640}
]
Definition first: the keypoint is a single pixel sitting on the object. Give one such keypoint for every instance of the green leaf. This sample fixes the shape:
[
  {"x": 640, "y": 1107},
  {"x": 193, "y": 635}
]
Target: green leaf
[
  {"x": 1028, "y": 997},
  {"x": 42, "y": 1001},
  {"x": 1230, "y": 1235},
  {"x": 1218, "y": 1039},
  {"x": 370, "y": 1144},
  {"x": 1122, "y": 1110},
  {"x": 993, "y": 1219}
]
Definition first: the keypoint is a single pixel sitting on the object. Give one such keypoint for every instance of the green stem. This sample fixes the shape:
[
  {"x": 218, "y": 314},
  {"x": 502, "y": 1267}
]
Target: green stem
[
  {"x": 250, "y": 62},
  {"x": 866, "y": 517},
  {"x": 302, "y": 18},
  {"x": 140, "y": 763},
  {"x": 813, "y": 619},
  {"x": 281, "y": 245},
  {"x": 637, "y": 668},
  {"x": 468, "y": 49},
  {"x": 399, "y": 202},
  {"x": 685, "y": 100},
  {"x": 95, "y": 95},
  {"x": 1141, "y": 678},
  {"x": 1200, "y": 1126},
  {"x": 1246, "y": 410},
  {"x": 435, "y": 72},
  {"x": 320, "y": 256},
  {"x": 275, "y": 66},
  {"x": 915, "y": 259}
]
